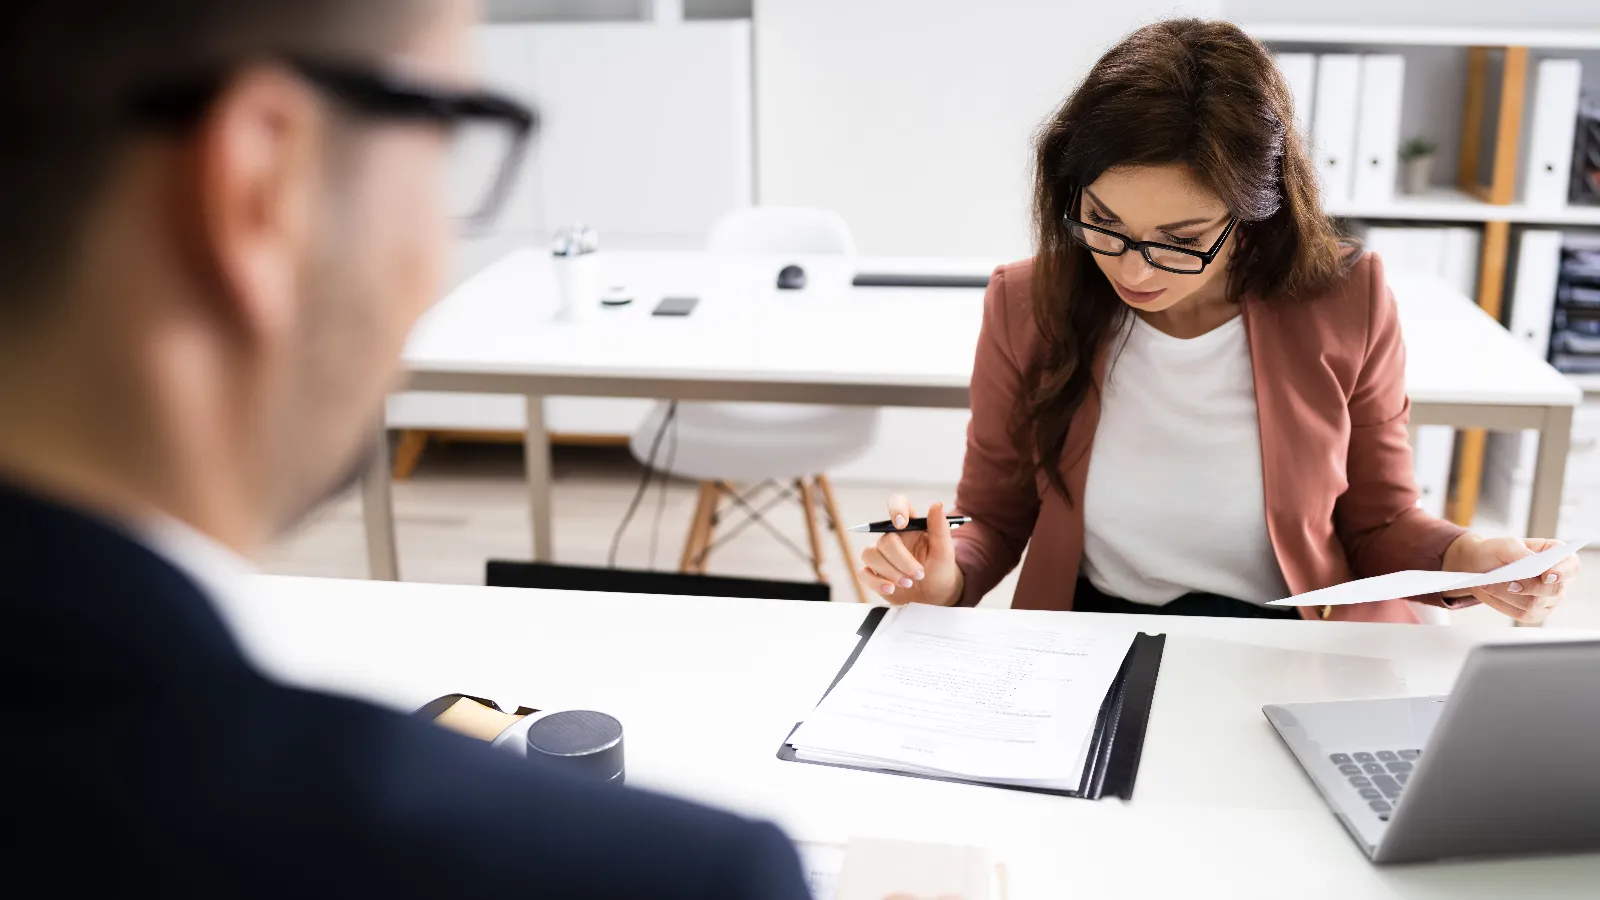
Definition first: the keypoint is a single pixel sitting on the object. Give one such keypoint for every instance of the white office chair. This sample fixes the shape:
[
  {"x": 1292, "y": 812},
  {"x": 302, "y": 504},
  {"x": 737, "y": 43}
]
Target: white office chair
[{"x": 787, "y": 445}]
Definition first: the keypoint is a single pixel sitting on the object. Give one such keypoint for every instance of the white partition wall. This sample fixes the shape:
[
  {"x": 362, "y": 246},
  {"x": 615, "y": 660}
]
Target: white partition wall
[
  {"x": 915, "y": 121},
  {"x": 645, "y": 135},
  {"x": 647, "y": 128}
]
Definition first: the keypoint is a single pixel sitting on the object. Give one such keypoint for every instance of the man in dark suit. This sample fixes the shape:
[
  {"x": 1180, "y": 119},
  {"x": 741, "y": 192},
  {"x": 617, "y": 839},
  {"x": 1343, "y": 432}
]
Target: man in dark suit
[{"x": 218, "y": 220}]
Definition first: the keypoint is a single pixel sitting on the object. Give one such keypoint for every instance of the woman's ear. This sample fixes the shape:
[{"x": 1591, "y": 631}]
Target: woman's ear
[{"x": 1240, "y": 241}]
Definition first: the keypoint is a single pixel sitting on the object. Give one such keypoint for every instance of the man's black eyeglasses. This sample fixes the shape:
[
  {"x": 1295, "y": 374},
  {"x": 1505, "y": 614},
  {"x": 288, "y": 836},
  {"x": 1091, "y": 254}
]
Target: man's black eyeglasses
[
  {"x": 1182, "y": 260},
  {"x": 491, "y": 131}
]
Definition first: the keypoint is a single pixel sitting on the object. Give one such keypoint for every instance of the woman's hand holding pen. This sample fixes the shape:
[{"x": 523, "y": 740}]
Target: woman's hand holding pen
[{"x": 913, "y": 566}]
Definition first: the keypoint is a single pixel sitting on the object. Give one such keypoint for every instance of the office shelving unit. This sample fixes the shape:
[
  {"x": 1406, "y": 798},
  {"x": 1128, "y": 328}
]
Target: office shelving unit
[
  {"x": 1456, "y": 205},
  {"x": 1491, "y": 204},
  {"x": 1424, "y": 36}
]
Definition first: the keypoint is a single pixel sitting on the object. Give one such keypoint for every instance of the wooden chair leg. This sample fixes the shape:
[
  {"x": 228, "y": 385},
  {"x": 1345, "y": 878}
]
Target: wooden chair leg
[
  {"x": 691, "y": 540},
  {"x": 808, "y": 504},
  {"x": 697, "y": 546},
  {"x": 844, "y": 536},
  {"x": 408, "y": 453}
]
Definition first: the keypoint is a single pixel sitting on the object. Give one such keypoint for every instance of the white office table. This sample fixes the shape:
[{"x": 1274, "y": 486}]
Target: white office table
[
  {"x": 708, "y": 688},
  {"x": 835, "y": 344}
]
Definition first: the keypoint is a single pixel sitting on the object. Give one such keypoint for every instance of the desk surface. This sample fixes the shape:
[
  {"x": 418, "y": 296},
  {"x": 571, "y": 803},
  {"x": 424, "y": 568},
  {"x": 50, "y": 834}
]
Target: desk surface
[
  {"x": 708, "y": 688},
  {"x": 502, "y": 322}
]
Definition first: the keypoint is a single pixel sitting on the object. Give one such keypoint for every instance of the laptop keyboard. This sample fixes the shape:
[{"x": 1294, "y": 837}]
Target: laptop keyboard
[{"x": 1379, "y": 776}]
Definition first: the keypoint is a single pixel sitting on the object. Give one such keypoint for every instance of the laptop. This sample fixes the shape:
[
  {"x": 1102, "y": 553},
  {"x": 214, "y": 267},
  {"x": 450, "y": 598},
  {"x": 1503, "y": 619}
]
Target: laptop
[{"x": 1508, "y": 763}]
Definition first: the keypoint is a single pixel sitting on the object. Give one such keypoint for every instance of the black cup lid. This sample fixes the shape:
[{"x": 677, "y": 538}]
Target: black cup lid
[{"x": 580, "y": 741}]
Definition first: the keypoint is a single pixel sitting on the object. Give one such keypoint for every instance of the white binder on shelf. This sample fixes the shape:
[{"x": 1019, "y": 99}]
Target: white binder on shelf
[
  {"x": 1460, "y": 263},
  {"x": 1431, "y": 458},
  {"x": 1378, "y": 126},
  {"x": 1300, "y": 74},
  {"x": 1333, "y": 123},
  {"x": 1425, "y": 244},
  {"x": 1551, "y": 133},
  {"x": 1407, "y": 248},
  {"x": 1533, "y": 295},
  {"x": 1390, "y": 243}
]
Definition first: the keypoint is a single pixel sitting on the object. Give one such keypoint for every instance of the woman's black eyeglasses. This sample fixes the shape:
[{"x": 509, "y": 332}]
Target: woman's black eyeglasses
[
  {"x": 1166, "y": 257},
  {"x": 490, "y": 131}
]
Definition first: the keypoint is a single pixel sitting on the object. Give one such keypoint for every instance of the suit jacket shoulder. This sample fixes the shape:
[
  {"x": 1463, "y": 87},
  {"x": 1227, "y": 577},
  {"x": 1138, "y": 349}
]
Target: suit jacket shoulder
[
  {"x": 1010, "y": 304},
  {"x": 1335, "y": 329},
  {"x": 144, "y": 752}
]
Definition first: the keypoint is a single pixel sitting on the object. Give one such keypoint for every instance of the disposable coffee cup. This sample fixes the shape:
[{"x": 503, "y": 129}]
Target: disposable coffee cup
[{"x": 574, "y": 255}]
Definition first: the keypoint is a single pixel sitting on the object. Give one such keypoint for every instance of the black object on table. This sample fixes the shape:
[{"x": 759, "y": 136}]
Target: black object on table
[
  {"x": 580, "y": 742},
  {"x": 549, "y": 576}
]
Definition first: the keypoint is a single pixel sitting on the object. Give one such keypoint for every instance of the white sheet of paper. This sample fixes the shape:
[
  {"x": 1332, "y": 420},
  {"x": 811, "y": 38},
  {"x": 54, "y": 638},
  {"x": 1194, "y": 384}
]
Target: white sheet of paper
[
  {"x": 1413, "y": 582},
  {"x": 879, "y": 869},
  {"x": 970, "y": 692},
  {"x": 865, "y": 860},
  {"x": 821, "y": 865},
  {"x": 1409, "y": 583}
]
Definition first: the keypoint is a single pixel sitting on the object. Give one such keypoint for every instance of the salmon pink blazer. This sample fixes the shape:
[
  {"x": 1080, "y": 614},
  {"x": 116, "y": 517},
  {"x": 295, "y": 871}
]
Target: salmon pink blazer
[{"x": 1340, "y": 499}]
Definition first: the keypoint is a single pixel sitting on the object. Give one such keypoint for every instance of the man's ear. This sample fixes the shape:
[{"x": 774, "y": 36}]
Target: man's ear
[{"x": 257, "y": 172}]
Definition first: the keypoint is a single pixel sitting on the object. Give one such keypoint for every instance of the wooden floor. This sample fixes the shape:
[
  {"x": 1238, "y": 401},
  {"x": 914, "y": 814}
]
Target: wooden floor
[{"x": 466, "y": 504}]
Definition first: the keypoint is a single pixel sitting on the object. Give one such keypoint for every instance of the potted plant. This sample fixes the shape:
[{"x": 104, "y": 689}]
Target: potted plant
[{"x": 1416, "y": 162}]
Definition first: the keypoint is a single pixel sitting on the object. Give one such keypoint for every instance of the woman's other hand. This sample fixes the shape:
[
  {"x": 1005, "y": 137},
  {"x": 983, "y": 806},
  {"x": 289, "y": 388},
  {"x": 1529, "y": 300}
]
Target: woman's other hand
[
  {"x": 913, "y": 566},
  {"x": 1529, "y": 601}
]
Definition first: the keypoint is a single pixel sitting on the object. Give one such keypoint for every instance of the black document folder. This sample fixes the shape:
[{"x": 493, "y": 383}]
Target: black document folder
[{"x": 1117, "y": 741}]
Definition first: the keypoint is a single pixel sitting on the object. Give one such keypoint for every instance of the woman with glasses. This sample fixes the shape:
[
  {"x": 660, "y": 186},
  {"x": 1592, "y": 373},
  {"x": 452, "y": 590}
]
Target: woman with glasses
[{"x": 1191, "y": 400}]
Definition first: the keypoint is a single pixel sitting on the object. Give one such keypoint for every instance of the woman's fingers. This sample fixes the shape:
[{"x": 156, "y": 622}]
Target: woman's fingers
[
  {"x": 1530, "y": 592},
  {"x": 881, "y": 564},
  {"x": 899, "y": 510},
  {"x": 1529, "y": 587},
  {"x": 1563, "y": 572},
  {"x": 875, "y": 583},
  {"x": 940, "y": 546},
  {"x": 900, "y": 556},
  {"x": 1501, "y": 607},
  {"x": 1550, "y": 586},
  {"x": 1528, "y": 610},
  {"x": 1503, "y": 596}
]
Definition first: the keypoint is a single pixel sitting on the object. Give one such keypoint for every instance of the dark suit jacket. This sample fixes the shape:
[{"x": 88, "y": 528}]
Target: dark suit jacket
[{"x": 139, "y": 749}]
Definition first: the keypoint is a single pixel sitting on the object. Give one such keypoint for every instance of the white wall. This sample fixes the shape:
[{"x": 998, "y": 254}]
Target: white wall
[
  {"x": 913, "y": 120},
  {"x": 646, "y": 136},
  {"x": 646, "y": 127}
]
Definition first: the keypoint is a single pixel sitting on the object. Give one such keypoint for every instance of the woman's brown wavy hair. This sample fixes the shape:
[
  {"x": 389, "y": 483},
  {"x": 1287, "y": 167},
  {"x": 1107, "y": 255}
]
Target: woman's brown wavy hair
[{"x": 1203, "y": 94}]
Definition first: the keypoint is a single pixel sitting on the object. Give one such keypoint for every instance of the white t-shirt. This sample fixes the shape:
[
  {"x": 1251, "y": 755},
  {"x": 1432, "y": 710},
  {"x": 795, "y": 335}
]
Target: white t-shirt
[{"x": 1174, "y": 501}]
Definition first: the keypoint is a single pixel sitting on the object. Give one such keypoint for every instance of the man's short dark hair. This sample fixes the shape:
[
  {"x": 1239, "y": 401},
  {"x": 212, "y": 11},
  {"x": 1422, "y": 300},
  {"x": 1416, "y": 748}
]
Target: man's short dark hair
[{"x": 68, "y": 68}]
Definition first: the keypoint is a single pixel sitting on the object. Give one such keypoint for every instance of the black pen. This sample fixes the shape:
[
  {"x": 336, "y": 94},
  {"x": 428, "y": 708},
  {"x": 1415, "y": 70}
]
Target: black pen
[{"x": 919, "y": 524}]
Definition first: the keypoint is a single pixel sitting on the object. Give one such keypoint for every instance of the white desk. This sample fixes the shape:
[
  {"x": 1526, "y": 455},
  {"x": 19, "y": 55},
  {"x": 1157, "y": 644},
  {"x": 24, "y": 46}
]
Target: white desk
[
  {"x": 707, "y": 689},
  {"x": 827, "y": 344}
]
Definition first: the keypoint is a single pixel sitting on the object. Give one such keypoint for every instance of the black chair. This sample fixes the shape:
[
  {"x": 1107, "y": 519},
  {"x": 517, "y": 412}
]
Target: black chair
[{"x": 504, "y": 573}]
